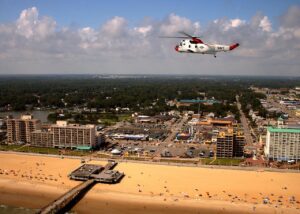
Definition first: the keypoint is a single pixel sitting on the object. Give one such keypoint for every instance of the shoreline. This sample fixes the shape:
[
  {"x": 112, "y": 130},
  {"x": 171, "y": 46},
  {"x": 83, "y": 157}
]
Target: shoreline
[{"x": 34, "y": 181}]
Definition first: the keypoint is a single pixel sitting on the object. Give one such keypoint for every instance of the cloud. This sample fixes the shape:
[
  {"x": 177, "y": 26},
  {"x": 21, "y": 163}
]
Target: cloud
[
  {"x": 175, "y": 23},
  {"x": 115, "y": 27},
  {"x": 265, "y": 24},
  {"x": 88, "y": 34},
  {"x": 29, "y": 25},
  {"x": 35, "y": 44},
  {"x": 228, "y": 24},
  {"x": 143, "y": 30},
  {"x": 291, "y": 18}
]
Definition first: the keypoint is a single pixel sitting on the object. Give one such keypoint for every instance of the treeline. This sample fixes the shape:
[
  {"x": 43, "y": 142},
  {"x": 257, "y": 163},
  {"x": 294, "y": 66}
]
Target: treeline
[
  {"x": 250, "y": 100},
  {"x": 148, "y": 94}
]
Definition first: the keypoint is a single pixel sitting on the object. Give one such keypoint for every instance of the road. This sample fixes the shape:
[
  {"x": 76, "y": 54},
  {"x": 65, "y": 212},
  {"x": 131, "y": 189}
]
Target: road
[
  {"x": 244, "y": 121},
  {"x": 175, "y": 129}
]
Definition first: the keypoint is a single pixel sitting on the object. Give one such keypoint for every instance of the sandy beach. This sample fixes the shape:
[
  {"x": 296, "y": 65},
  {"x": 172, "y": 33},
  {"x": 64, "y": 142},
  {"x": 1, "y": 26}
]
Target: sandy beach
[{"x": 34, "y": 181}]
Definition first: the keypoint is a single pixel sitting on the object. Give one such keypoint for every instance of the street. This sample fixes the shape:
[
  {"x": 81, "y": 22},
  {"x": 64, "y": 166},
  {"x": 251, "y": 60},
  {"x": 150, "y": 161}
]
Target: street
[{"x": 244, "y": 122}]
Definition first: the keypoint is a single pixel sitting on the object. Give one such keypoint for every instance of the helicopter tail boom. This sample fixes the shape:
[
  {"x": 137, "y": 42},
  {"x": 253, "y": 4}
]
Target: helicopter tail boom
[{"x": 233, "y": 46}]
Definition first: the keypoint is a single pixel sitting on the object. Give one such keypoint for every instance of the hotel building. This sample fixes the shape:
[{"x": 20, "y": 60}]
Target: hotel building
[
  {"x": 19, "y": 130},
  {"x": 283, "y": 143},
  {"x": 230, "y": 144},
  {"x": 41, "y": 138},
  {"x": 73, "y": 135}
]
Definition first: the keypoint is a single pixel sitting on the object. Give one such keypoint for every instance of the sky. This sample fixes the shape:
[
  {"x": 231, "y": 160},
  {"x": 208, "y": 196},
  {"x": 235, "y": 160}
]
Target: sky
[{"x": 123, "y": 37}]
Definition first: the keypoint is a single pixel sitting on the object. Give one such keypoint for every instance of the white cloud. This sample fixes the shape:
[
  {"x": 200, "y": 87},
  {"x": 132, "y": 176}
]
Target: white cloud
[
  {"x": 226, "y": 24},
  {"x": 234, "y": 23},
  {"x": 35, "y": 44},
  {"x": 26, "y": 21},
  {"x": 29, "y": 25},
  {"x": 144, "y": 30},
  {"x": 115, "y": 26},
  {"x": 265, "y": 24},
  {"x": 175, "y": 23},
  {"x": 88, "y": 34},
  {"x": 197, "y": 28},
  {"x": 237, "y": 22}
]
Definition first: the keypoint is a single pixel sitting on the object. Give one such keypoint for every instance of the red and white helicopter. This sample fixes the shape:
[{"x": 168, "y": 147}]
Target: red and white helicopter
[{"x": 193, "y": 44}]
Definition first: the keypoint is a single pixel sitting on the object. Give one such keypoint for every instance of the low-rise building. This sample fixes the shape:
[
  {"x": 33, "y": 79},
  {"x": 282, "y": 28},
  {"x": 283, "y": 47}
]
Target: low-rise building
[
  {"x": 189, "y": 102},
  {"x": 217, "y": 121}
]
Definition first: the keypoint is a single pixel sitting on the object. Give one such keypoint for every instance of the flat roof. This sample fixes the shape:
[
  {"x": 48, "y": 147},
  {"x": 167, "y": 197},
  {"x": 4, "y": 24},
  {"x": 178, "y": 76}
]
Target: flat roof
[
  {"x": 86, "y": 170},
  {"x": 199, "y": 101},
  {"x": 283, "y": 130},
  {"x": 88, "y": 126}
]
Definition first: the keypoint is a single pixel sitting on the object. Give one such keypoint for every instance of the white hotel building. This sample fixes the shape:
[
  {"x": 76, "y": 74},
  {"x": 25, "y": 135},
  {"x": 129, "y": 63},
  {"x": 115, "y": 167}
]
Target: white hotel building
[{"x": 283, "y": 143}]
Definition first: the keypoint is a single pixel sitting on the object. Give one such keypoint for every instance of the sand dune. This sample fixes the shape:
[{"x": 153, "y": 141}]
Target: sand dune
[{"x": 33, "y": 181}]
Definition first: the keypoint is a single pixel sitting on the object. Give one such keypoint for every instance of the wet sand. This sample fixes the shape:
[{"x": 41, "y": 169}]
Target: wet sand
[{"x": 34, "y": 181}]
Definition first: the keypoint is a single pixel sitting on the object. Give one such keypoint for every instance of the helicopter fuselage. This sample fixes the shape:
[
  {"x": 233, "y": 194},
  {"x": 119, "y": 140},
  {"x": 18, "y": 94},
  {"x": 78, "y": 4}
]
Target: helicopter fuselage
[{"x": 194, "y": 46}]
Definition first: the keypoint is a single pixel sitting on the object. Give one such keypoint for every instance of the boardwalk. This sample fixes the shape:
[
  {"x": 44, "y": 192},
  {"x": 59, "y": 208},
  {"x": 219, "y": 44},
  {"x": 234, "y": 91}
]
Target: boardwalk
[
  {"x": 69, "y": 199},
  {"x": 90, "y": 174}
]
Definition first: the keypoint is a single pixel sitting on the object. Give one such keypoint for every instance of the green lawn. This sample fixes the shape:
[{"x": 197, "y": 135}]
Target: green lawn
[
  {"x": 41, "y": 150},
  {"x": 221, "y": 161},
  {"x": 227, "y": 161},
  {"x": 123, "y": 117},
  {"x": 113, "y": 120},
  {"x": 205, "y": 161},
  {"x": 178, "y": 161},
  {"x": 9, "y": 147}
]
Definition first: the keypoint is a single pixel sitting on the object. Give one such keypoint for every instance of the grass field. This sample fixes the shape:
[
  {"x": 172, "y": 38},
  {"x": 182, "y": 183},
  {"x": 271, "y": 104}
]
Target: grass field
[
  {"x": 227, "y": 161},
  {"x": 42, "y": 150}
]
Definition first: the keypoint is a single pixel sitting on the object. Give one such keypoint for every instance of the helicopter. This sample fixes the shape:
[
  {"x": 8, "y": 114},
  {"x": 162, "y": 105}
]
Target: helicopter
[{"x": 193, "y": 44}]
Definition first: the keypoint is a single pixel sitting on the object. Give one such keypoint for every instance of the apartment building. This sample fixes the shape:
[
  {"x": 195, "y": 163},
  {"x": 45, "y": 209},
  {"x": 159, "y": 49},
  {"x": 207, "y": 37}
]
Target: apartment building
[
  {"x": 73, "y": 135},
  {"x": 230, "y": 144},
  {"x": 283, "y": 143},
  {"x": 225, "y": 145},
  {"x": 238, "y": 144},
  {"x": 19, "y": 130},
  {"x": 42, "y": 138}
]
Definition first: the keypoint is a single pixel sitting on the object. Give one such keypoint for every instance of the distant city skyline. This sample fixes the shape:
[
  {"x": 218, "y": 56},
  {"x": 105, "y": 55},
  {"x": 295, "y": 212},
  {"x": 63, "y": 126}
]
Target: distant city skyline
[{"x": 122, "y": 37}]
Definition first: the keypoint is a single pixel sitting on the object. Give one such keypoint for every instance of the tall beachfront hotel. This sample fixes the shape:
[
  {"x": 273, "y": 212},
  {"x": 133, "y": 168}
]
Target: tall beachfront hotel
[{"x": 283, "y": 143}]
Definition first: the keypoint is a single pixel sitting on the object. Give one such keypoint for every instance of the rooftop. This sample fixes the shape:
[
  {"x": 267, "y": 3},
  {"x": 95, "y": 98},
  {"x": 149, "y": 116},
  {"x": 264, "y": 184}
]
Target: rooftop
[
  {"x": 285, "y": 130},
  {"x": 199, "y": 101}
]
